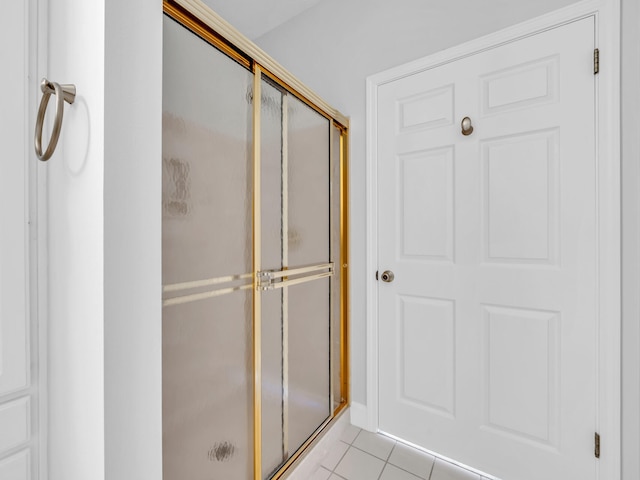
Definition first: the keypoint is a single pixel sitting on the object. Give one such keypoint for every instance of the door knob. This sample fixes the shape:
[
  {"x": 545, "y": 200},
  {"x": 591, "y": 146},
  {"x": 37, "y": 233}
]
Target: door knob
[
  {"x": 467, "y": 128},
  {"x": 387, "y": 276}
]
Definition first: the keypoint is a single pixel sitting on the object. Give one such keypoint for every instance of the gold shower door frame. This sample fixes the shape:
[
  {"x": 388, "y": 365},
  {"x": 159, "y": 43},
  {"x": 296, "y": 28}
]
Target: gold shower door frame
[{"x": 198, "y": 18}]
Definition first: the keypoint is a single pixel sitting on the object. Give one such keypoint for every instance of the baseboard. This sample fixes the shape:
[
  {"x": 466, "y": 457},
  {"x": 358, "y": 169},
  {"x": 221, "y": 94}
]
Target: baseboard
[{"x": 359, "y": 415}]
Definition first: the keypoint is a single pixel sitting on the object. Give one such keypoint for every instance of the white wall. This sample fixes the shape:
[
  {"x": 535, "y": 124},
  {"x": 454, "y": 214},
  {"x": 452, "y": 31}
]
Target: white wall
[
  {"x": 132, "y": 240},
  {"x": 76, "y": 245},
  {"x": 630, "y": 239},
  {"x": 103, "y": 202},
  {"x": 334, "y": 46}
]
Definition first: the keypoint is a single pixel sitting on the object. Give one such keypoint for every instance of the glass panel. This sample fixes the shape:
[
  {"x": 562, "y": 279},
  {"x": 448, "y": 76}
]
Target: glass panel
[
  {"x": 335, "y": 258},
  {"x": 272, "y": 383},
  {"x": 308, "y": 190},
  {"x": 271, "y": 157},
  {"x": 207, "y": 234},
  {"x": 207, "y": 399},
  {"x": 207, "y": 161},
  {"x": 309, "y": 384}
]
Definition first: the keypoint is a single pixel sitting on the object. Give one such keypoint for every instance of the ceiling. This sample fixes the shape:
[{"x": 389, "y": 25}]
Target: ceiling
[{"x": 254, "y": 18}]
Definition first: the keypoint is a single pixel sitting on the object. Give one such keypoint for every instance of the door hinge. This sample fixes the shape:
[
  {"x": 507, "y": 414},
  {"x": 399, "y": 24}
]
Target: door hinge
[
  {"x": 596, "y": 61},
  {"x": 596, "y": 450}
]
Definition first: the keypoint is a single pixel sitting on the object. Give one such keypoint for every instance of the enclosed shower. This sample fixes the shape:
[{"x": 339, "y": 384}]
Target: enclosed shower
[{"x": 254, "y": 256}]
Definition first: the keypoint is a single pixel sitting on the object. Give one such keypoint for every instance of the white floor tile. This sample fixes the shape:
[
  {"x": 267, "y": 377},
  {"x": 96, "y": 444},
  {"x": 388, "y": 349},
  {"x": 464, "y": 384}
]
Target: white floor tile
[
  {"x": 335, "y": 477},
  {"x": 394, "y": 473},
  {"x": 412, "y": 460},
  {"x": 350, "y": 434},
  {"x": 448, "y": 471},
  {"x": 375, "y": 444},
  {"x": 321, "y": 474},
  {"x": 358, "y": 465},
  {"x": 335, "y": 454}
]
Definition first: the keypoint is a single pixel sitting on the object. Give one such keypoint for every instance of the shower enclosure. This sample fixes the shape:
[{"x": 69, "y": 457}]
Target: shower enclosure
[{"x": 254, "y": 256}]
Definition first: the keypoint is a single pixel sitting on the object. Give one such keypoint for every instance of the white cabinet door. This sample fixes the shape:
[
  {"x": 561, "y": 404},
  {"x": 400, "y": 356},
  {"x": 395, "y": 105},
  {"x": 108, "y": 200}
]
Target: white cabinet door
[
  {"x": 488, "y": 332},
  {"x": 15, "y": 400}
]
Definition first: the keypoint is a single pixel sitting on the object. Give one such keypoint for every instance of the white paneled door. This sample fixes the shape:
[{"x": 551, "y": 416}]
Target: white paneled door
[
  {"x": 488, "y": 347},
  {"x": 16, "y": 403}
]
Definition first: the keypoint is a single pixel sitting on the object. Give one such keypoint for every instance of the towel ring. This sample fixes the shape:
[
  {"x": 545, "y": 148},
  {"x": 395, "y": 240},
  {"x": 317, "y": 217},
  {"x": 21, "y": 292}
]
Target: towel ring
[{"x": 63, "y": 93}]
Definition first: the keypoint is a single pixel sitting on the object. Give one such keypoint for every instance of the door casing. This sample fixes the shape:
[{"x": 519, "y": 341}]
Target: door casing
[{"x": 607, "y": 20}]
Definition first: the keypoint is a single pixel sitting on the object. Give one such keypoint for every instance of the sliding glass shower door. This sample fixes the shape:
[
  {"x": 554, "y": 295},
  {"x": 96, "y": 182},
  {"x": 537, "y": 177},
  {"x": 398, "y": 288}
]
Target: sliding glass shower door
[
  {"x": 253, "y": 317},
  {"x": 207, "y": 261},
  {"x": 297, "y": 269}
]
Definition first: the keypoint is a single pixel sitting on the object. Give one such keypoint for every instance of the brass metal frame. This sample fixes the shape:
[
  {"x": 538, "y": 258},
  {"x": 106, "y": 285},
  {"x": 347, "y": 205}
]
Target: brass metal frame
[
  {"x": 332, "y": 297},
  {"x": 270, "y": 280},
  {"x": 203, "y": 295},
  {"x": 202, "y": 21},
  {"x": 344, "y": 260},
  {"x": 285, "y": 266},
  {"x": 216, "y": 287},
  {"x": 199, "y": 19},
  {"x": 257, "y": 265},
  {"x": 176, "y": 287},
  {"x": 189, "y": 20}
]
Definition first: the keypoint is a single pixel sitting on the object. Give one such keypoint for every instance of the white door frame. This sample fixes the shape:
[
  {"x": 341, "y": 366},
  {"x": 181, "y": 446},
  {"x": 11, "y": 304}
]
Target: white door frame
[
  {"x": 607, "y": 39},
  {"x": 38, "y": 67},
  {"x": 38, "y": 237}
]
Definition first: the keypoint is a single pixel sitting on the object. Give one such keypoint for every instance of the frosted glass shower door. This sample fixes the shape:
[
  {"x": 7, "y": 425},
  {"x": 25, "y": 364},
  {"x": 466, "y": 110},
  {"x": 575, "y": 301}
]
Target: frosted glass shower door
[
  {"x": 308, "y": 244},
  {"x": 207, "y": 262},
  {"x": 253, "y": 319},
  {"x": 296, "y": 305}
]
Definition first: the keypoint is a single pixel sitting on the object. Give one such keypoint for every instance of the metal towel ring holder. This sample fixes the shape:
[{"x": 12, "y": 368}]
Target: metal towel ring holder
[{"x": 63, "y": 93}]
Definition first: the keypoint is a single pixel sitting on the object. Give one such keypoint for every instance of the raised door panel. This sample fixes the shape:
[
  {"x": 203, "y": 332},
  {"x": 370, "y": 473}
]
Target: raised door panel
[
  {"x": 520, "y": 202},
  {"x": 14, "y": 364},
  {"x": 426, "y": 374},
  {"x": 426, "y": 217},
  {"x": 15, "y": 424},
  {"x": 15, "y": 138},
  {"x": 521, "y": 372},
  {"x": 427, "y": 110},
  {"x": 16, "y": 467},
  {"x": 521, "y": 86}
]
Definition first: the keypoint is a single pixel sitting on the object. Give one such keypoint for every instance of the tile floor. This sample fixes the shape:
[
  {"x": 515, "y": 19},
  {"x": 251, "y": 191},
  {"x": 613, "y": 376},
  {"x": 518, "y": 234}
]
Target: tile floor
[{"x": 360, "y": 455}]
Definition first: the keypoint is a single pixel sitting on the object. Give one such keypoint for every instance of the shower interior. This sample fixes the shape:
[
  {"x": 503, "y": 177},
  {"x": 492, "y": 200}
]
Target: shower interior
[{"x": 254, "y": 261}]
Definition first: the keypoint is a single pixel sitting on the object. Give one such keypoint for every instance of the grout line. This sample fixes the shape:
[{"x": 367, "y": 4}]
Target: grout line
[
  {"x": 354, "y": 438},
  {"x": 391, "y": 451},
  {"x": 369, "y": 453},
  {"x": 410, "y": 473},
  {"x": 386, "y": 462},
  {"x": 405, "y": 470},
  {"x": 341, "y": 458},
  {"x": 437, "y": 456},
  {"x": 432, "y": 467}
]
